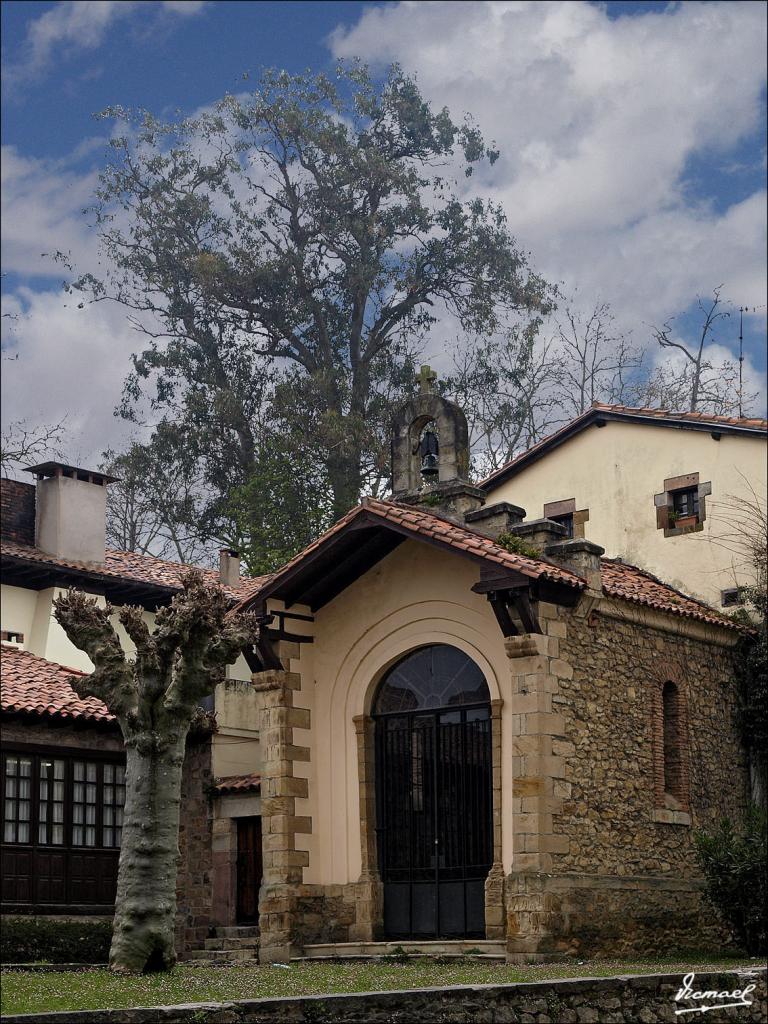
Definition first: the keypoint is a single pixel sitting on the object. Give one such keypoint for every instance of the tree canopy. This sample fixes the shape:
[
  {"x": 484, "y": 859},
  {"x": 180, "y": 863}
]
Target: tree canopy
[{"x": 308, "y": 233}]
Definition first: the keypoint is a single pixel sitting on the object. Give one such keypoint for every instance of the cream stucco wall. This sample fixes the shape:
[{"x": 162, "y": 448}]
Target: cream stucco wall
[
  {"x": 615, "y": 471},
  {"x": 415, "y": 596}
]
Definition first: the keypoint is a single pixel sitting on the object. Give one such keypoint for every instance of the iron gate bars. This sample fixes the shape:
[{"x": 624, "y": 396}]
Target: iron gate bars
[{"x": 434, "y": 820}]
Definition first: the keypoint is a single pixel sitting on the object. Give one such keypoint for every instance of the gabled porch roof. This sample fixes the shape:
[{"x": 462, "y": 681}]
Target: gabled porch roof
[{"x": 373, "y": 529}]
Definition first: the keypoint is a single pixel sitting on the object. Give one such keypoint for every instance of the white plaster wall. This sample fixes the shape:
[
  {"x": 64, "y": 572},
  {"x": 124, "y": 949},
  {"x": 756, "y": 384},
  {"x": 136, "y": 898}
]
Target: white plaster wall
[
  {"x": 616, "y": 470},
  {"x": 17, "y": 609},
  {"x": 415, "y": 596},
  {"x": 236, "y": 746},
  {"x": 235, "y": 753}
]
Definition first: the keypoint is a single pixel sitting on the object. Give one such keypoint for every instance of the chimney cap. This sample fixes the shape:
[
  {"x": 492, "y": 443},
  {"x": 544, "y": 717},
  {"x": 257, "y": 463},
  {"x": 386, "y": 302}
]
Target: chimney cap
[{"x": 90, "y": 476}]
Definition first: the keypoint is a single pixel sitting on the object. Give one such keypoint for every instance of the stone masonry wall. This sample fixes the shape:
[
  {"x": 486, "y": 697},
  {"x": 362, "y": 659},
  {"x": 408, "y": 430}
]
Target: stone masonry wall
[
  {"x": 628, "y": 1000},
  {"x": 611, "y": 711},
  {"x": 604, "y": 857}
]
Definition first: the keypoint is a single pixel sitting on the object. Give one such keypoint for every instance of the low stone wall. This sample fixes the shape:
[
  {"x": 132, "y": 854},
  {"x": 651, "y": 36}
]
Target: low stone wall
[
  {"x": 637, "y": 999},
  {"x": 608, "y": 915}
]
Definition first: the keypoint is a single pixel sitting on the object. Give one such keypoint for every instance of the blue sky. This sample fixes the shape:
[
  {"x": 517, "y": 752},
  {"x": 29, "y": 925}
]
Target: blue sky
[{"x": 632, "y": 137}]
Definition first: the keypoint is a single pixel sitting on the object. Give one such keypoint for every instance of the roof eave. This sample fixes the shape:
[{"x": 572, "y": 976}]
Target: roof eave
[
  {"x": 61, "y": 719},
  {"x": 598, "y": 417},
  {"x": 287, "y": 585}
]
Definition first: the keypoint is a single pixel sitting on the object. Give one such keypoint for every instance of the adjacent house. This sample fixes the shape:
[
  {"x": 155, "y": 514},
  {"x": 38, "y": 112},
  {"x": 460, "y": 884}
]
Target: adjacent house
[
  {"x": 661, "y": 490},
  {"x": 473, "y": 727},
  {"x": 63, "y": 761}
]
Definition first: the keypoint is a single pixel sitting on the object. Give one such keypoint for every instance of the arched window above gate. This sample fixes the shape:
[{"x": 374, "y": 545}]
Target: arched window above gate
[{"x": 438, "y": 676}]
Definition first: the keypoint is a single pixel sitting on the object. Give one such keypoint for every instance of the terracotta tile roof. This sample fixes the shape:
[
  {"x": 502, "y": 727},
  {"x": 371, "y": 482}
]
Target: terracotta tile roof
[
  {"x": 632, "y": 584},
  {"x": 664, "y": 416},
  {"x": 685, "y": 417},
  {"x": 34, "y": 686},
  {"x": 620, "y": 580},
  {"x": 238, "y": 784},
  {"x": 420, "y": 523},
  {"x": 128, "y": 565}
]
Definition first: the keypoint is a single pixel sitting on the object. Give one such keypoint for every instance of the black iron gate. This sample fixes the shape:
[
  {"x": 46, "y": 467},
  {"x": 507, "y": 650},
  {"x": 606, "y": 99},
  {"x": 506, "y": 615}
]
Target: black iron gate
[{"x": 434, "y": 820}]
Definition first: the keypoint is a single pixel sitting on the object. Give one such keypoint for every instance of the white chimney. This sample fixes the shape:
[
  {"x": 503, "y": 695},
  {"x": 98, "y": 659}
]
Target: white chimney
[
  {"x": 70, "y": 511},
  {"x": 229, "y": 567}
]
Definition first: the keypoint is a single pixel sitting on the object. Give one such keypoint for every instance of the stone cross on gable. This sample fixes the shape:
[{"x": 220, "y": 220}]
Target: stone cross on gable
[{"x": 425, "y": 378}]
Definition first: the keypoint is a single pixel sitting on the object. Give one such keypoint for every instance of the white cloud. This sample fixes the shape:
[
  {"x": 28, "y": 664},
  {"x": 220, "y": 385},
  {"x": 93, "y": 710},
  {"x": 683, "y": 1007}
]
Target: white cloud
[
  {"x": 71, "y": 365},
  {"x": 73, "y": 25},
  {"x": 42, "y": 204},
  {"x": 597, "y": 120},
  {"x": 183, "y": 7}
]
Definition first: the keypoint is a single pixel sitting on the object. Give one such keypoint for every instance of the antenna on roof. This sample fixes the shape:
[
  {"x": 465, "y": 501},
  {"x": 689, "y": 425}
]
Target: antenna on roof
[{"x": 741, "y": 360}]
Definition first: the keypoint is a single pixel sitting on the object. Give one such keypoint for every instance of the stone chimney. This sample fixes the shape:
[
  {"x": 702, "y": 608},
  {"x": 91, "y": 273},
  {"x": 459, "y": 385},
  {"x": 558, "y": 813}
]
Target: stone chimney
[
  {"x": 70, "y": 511},
  {"x": 229, "y": 567},
  {"x": 494, "y": 520},
  {"x": 580, "y": 556},
  {"x": 539, "y": 533}
]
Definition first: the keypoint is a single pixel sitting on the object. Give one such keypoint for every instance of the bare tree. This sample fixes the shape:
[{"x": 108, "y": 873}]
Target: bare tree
[
  {"x": 153, "y": 698},
  {"x": 506, "y": 385},
  {"x": 517, "y": 387},
  {"x": 740, "y": 526},
  {"x": 669, "y": 386},
  {"x": 154, "y": 507},
  {"x": 712, "y": 311},
  {"x": 598, "y": 361},
  {"x": 22, "y": 443}
]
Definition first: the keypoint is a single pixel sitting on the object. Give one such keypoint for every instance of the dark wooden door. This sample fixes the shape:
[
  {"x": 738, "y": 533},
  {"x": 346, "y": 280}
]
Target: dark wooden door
[{"x": 248, "y": 869}]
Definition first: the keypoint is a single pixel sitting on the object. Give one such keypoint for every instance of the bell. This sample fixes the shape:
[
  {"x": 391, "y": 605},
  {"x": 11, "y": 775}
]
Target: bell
[
  {"x": 429, "y": 467},
  {"x": 428, "y": 450}
]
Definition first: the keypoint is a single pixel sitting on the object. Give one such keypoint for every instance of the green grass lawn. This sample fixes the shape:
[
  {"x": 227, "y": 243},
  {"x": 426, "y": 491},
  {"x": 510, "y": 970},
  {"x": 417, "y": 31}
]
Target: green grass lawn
[{"x": 31, "y": 992}]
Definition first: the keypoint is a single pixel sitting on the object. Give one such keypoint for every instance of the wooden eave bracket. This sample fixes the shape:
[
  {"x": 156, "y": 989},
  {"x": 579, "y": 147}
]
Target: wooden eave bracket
[{"x": 506, "y": 591}]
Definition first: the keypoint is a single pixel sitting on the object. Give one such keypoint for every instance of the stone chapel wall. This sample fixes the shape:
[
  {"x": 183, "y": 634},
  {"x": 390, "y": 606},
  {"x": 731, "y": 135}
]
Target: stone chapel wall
[
  {"x": 605, "y": 861},
  {"x": 613, "y": 722}
]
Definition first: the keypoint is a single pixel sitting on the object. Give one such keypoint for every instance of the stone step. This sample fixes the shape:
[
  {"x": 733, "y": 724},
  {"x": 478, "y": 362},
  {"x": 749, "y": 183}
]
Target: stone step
[
  {"x": 238, "y": 931},
  {"x": 224, "y": 956},
  {"x": 366, "y": 950},
  {"x": 244, "y": 943}
]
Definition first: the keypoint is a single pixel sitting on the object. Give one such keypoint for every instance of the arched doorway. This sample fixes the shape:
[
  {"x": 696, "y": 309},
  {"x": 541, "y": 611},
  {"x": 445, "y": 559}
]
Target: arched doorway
[{"x": 434, "y": 797}]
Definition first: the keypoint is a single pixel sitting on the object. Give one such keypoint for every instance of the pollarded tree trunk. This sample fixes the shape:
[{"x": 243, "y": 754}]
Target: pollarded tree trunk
[
  {"x": 154, "y": 698},
  {"x": 145, "y": 905}
]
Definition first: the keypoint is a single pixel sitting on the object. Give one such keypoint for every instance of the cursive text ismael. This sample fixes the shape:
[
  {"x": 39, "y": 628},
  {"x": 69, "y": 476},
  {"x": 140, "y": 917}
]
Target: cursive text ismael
[{"x": 716, "y": 1000}]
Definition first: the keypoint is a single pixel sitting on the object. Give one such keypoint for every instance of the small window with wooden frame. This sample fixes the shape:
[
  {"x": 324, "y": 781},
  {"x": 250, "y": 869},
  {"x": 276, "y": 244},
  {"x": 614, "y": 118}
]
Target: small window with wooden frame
[
  {"x": 671, "y": 756},
  {"x": 681, "y": 506},
  {"x": 566, "y": 514}
]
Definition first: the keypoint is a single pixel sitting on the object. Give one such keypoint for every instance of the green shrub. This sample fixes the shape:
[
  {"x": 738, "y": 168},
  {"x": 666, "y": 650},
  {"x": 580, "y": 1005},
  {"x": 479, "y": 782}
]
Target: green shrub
[
  {"x": 516, "y": 546},
  {"x": 734, "y": 864},
  {"x": 43, "y": 939}
]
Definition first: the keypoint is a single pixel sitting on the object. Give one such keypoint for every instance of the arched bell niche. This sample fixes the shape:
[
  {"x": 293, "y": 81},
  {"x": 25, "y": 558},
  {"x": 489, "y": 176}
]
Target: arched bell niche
[{"x": 428, "y": 413}]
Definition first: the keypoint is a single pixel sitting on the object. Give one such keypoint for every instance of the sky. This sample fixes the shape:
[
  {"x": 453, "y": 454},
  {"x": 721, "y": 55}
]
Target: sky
[{"x": 632, "y": 138}]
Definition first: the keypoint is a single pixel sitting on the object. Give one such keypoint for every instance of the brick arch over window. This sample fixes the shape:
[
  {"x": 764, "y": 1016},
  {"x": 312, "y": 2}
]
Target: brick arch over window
[{"x": 671, "y": 748}]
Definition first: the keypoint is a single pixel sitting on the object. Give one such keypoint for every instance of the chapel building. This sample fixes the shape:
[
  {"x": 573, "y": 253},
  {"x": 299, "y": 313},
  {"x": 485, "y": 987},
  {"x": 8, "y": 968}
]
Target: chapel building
[{"x": 464, "y": 726}]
